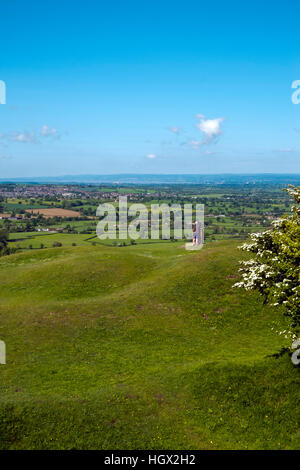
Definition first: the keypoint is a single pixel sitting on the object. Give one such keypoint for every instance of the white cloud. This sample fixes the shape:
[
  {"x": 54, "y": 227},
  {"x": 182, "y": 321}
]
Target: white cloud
[
  {"x": 195, "y": 144},
  {"x": 49, "y": 132},
  {"x": 286, "y": 150},
  {"x": 211, "y": 128},
  {"x": 151, "y": 155},
  {"x": 174, "y": 129},
  {"x": 26, "y": 137},
  {"x": 22, "y": 137}
]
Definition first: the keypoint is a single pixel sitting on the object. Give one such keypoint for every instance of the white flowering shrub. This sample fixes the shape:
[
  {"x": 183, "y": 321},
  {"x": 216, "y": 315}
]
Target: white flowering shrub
[{"x": 274, "y": 270}]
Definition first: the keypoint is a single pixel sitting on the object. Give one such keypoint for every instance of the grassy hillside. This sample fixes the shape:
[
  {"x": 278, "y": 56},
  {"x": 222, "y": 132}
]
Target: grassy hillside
[{"x": 140, "y": 347}]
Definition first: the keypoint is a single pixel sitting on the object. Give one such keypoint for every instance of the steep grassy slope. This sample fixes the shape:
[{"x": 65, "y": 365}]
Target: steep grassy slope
[{"x": 140, "y": 347}]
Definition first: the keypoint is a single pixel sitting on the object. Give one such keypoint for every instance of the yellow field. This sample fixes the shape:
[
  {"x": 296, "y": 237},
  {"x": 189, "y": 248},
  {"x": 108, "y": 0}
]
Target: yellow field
[{"x": 54, "y": 212}]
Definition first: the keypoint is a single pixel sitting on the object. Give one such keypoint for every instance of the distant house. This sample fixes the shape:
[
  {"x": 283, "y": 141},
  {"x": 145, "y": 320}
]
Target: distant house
[
  {"x": 55, "y": 229},
  {"x": 4, "y": 216}
]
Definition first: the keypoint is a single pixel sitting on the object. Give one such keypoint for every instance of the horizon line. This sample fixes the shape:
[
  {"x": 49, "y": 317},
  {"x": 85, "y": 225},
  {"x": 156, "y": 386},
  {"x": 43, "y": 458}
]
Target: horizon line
[{"x": 76, "y": 175}]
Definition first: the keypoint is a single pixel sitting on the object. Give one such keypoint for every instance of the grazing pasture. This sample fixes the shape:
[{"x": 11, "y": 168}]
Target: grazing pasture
[{"x": 92, "y": 363}]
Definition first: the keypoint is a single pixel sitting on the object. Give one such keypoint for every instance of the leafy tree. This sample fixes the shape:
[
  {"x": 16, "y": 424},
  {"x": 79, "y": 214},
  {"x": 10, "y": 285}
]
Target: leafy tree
[
  {"x": 274, "y": 271},
  {"x": 3, "y": 238},
  {"x": 4, "y": 250}
]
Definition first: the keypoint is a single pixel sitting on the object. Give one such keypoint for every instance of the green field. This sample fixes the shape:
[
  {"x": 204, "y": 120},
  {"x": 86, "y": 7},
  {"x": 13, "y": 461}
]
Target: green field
[{"x": 140, "y": 347}]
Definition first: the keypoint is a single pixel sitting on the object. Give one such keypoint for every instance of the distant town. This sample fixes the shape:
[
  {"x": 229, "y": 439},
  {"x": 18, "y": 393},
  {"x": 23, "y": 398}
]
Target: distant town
[{"x": 30, "y": 213}]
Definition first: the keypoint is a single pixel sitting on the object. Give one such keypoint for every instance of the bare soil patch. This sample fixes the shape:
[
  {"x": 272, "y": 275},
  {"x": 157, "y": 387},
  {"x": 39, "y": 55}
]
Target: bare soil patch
[{"x": 54, "y": 212}]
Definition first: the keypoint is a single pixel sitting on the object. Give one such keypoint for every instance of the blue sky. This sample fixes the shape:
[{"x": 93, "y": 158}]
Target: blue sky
[{"x": 100, "y": 87}]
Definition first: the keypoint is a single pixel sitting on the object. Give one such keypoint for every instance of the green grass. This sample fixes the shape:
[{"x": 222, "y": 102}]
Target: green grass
[
  {"x": 140, "y": 347},
  {"x": 24, "y": 240}
]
